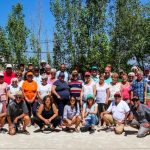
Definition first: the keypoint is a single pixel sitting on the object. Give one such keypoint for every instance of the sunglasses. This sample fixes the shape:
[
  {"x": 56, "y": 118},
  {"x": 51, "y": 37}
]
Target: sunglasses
[{"x": 18, "y": 97}]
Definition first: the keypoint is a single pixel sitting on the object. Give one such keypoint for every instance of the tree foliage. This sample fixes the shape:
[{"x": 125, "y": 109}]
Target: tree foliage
[
  {"x": 17, "y": 33},
  {"x": 101, "y": 31}
]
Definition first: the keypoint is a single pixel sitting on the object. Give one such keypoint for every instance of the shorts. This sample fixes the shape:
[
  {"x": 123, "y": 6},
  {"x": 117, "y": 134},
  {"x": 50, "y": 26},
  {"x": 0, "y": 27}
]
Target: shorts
[{"x": 102, "y": 107}]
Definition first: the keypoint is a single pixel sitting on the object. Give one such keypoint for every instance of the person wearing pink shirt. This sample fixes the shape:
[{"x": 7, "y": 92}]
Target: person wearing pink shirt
[
  {"x": 3, "y": 91},
  {"x": 125, "y": 88}
]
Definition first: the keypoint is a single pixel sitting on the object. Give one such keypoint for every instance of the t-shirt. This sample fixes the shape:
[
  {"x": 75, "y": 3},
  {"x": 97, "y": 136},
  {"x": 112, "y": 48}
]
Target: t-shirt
[
  {"x": 87, "y": 89},
  {"x": 7, "y": 78},
  {"x": 14, "y": 109},
  {"x": 2, "y": 108},
  {"x": 38, "y": 79},
  {"x": 62, "y": 89},
  {"x": 13, "y": 89},
  {"x": 138, "y": 88},
  {"x": 118, "y": 111},
  {"x": 29, "y": 88},
  {"x": 108, "y": 80},
  {"x": 3, "y": 88},
  {"x": 113, "y": 89},
  {"x": 75, "y": 87},
  {"x": 101, "y": 93},
  {"x": 44, "y": 89},
  {"x": 69, "y": 113},
  {"x": 89, "y": 110},
  {"x": 95, "y": 78},
  {"x": 65, "y": 73}
]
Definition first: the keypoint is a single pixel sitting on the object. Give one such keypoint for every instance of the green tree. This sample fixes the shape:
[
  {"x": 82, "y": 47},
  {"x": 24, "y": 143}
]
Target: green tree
[
  {"x": 17, "y": 33},
  {"x": 5, "y": 53}
]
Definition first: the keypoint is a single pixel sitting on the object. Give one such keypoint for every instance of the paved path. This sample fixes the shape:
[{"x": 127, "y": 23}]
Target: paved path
[{"x": 74, "y": 141}]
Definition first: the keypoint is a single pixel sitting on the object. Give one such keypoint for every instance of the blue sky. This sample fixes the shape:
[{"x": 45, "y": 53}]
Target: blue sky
[{"x": 30, "y": 10}]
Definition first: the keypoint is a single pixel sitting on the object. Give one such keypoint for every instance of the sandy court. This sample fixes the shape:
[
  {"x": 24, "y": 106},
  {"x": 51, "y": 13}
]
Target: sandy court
[{"x": 68, "y": 141}]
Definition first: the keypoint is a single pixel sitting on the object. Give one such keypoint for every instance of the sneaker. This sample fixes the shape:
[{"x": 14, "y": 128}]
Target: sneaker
[
  {"x": 84, "y": 129},
  {"x": 92, "y": 131}
]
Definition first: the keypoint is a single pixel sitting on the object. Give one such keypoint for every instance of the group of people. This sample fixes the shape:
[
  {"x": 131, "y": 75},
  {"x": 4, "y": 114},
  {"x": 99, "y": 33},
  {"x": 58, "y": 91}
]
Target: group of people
[{"x": 49, "y": 98}]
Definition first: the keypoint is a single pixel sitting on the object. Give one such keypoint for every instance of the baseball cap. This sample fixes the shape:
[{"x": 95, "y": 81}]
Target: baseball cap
[
  {"x": 87, "y": 73},
  {"x": 94, "y": 68},
  {"x": 1, "y": 74},
  {"x": 18, "y": 93},
  {"x": 43, "y": 61},
  {"x": 135, "y": 98},
  {"x": 44, "y": 77},
  {"x": 117, "y": 94},
  {"x": 36, "y": 68},
  {"x": 90, "y": 96},
  {"x": 8, "y": 66},
  {"x": 30, "y": 74},
  {"x": 29, "y": 64}
]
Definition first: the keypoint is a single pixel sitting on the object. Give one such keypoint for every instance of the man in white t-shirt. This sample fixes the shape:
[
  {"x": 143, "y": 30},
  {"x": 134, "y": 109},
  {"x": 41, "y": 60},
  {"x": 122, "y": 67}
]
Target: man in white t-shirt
[{"x": 116, "y": 114}]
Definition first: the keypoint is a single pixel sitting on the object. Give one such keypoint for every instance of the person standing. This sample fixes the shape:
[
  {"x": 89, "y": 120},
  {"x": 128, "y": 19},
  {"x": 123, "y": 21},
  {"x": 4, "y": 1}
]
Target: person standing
[
  {"x": 75, "y": 86},
  {"x": 138, "y": 87},
  {"x": 107, "y": 73},
  {"x": 29, "y": 89},
  {"x": 88, "y": 87},
  {"x": 94, "y": 74},
  {"x": 3, "y": 89},
  {"x": 61, "y": 92},
  {"x": 63, "y": 70},
  {"x": 102, "y": 95},
  {"x": 8, "y": 74},
  {"x": 125, "y": 88}
]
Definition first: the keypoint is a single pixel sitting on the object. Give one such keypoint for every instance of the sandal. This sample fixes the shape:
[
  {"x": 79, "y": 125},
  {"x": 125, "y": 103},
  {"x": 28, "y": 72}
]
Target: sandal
[{"x": 26, "y": 132}]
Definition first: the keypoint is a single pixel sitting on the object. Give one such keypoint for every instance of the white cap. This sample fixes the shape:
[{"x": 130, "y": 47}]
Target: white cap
[
  {"x": 8, "y": 66},
  {"x": 1, "y": 74},
  {"x": 43, "y": 61}
]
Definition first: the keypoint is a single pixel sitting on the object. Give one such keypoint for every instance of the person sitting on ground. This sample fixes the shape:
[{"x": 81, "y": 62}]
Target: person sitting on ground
[
  {"x": 17, "y": 114},
  {"x": 116, "y": 114},
  {"x": 71, "y": 114},
  {"x": 89, "y": 114},
  {"x": 47, "y": 114},
  {"x": 141, "y": 119},
  {"x": 2, "y": 115}
]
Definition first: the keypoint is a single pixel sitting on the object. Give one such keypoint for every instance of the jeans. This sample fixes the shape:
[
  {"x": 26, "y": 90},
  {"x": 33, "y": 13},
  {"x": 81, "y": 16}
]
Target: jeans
[
  {"x": 91, "y": 120},
  {"x": 142, "y": 130}
]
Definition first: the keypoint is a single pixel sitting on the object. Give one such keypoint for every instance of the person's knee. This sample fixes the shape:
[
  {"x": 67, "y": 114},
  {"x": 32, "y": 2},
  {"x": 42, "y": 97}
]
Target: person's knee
[
  {"x": 26, "y": 119},
  {"x": 119, "y": 129},
  {"x": 78, "y": 118}
]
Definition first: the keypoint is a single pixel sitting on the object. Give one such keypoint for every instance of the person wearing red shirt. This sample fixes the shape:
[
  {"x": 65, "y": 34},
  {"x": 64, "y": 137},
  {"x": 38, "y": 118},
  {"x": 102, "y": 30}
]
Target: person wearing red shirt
[{"x": 8, "y": 74}]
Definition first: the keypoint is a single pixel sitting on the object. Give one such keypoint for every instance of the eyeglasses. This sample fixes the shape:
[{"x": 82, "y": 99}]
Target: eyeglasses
[{"x": 18, "y": 97}]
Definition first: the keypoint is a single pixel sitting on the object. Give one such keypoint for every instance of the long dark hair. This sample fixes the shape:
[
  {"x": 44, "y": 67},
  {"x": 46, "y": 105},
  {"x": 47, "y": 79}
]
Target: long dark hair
[
  {"x": 44, "y": 100},
  {"x": 75, "y": 105}
]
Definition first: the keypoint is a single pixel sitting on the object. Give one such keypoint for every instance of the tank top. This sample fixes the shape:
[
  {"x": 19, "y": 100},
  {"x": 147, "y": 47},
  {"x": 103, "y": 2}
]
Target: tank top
[
  {"x": 126, "y": 92},
  {"x": 48, "y": 113}
]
